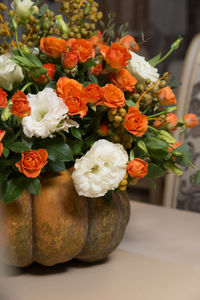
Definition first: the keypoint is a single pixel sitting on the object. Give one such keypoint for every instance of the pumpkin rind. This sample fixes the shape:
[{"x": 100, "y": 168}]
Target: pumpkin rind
[
  {"x": 16, "y": 231},
  {"x": 60, "y": 221},
  {"x": 59, "y": 225},
  {"x": 107, "y": 223}
]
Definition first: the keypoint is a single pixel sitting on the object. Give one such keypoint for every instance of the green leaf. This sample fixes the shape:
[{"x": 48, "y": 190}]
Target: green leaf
[
  {"x": 37, "y": 71},
  {"x": 93, "y": 78},
  {"x": 59, "y": 151},
  {"x": 171, "y": 167},
  {"x": 197, "y": 177},
  {"x": 131, "y": 155},
  {"x": 43, "y": 9},
  {"x": 33, "y": 186},
  {"x": 56, "y": 166},
  {"x": 14, "y": 189},
  {"x": 5, "y": 152},
  {"x": 87, "y": 65},
  {"x": 19, "y": 147},
  {"x": 161, "y": 154},
  {"x": 155, "y": 171},
  {"x": 32, "y": 58},
  {"x": 76, "y": 133},
  {"x": 142, "y": 146},
  {"x": 76, "y": 148},
  {"x": 166, "y": 136},
  {"x": 153, "y": 143},
  {"x": 185, "y": 150},
  {"x": 155, "y": 60},
  {"x": 130, "y": 103}
]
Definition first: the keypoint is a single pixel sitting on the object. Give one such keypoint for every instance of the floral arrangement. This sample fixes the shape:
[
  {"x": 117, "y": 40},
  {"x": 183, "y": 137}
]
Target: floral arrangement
[{"x": 69, "y": 97}]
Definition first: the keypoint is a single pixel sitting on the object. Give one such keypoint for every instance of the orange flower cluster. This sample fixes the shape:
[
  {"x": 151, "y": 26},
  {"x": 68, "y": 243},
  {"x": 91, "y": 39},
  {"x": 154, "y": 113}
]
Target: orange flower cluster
[
  {"x": 135, "y": 122},
  {"x": 20, "y": 105},
  {"x": 51, "y": 69},
  {"x": 2, "y": 133},
  {"x": 32, "y": 162},
  {"x": 137, "y": 168},
  {"x": 3, "y": 98}
]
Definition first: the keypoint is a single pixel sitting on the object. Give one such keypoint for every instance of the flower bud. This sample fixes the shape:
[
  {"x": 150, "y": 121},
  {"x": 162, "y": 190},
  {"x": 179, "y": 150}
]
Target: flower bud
[
  {"x": 70, "y": 59},
  {"x": 166, "y": 136},
  {"x": 62, "y": 26},
  {"x": 176, "y": 44},
  {"x": 169, "y": 166},
  {"x": 190, "y": 120}
]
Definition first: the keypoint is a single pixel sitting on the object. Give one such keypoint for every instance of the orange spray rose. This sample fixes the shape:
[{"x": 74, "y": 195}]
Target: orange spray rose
[
  {"x": 83, "y": 48},
  {"x": 20, "y": 105},
  {"x": 3, "y": 98},
  {"x": 190, "y": 120},
  {"x": 2, "y": 133},
  {"x": 135, "y": 122},
  {"x": 124, "y": 80},
  {"x": 51, "y": 69},
  {"x": 53, "y": 46},
  {"x": 70, "y": 59},
  {"x": 93, "y": 93},
  {"x": 129, "y": 42},
  {"x": 116, "y": 56},
  {"x": 112, "y": 96},
  {"x": 137, "y": 168},
  {"x": 32, "y": 162},
  {"x": 166, "y": 96}
]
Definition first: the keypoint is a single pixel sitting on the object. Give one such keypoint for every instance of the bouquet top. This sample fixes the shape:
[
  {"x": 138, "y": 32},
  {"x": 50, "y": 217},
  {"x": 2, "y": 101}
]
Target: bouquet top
[{"x": 71, "y": 96}]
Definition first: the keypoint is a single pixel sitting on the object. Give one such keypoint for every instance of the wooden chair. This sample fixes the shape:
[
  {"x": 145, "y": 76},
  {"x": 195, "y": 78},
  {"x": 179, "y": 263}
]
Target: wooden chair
[{"x": 178, "y": 191}]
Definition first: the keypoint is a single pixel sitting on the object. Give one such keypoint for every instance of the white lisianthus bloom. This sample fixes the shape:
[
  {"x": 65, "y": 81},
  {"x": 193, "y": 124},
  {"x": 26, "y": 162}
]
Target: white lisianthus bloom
[
  {"x": 101, "y": 169},
  {"x": 10, "y": 72},
  {"x": 48, "y": 115},
  {"x": 24, "y": 8},
  {"x": 141, "y": 69}
]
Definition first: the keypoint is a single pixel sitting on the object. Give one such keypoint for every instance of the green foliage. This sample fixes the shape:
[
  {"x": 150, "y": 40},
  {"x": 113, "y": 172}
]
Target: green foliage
[
  {"x": 14, "y": 189},
  {"x": 155, "y": 171},
  {"x": 153, "y": 143},
  {"x": 58, "y": 150},
  {"x": 155, "y": 60}
]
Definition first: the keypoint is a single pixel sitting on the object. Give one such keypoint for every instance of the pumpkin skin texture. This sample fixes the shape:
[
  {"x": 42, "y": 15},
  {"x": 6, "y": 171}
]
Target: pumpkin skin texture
[
  {"x": 16, "y": 231},
  {"x": 59, "y": 225},
  {"x": 107, "y": 223},
  {"x": 60, "y": 221}
]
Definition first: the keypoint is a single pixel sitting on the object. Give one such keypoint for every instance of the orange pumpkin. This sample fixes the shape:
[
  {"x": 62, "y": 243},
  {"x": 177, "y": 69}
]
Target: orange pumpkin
[{"x": 59, "y": 225}]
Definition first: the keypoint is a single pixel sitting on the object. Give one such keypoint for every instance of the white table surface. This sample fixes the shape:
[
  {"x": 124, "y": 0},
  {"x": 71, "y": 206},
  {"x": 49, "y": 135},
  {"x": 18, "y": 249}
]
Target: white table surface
[{"x": 158, "y": 259}]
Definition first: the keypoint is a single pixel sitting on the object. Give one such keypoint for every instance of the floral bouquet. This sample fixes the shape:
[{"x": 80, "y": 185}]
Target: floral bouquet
[{"x": 71, "y": 98}]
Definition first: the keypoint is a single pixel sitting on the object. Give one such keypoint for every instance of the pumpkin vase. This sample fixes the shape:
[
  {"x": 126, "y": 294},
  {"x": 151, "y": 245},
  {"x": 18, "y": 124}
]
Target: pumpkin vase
[{"x": 59, "y": 225}]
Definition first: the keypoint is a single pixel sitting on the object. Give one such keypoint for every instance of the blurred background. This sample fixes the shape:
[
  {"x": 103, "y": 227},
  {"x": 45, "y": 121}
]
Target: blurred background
[{"x": 156, "y": 24}]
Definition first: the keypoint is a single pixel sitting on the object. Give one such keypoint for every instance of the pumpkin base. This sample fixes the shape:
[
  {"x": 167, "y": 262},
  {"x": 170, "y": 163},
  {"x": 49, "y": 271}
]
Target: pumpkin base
[{"x": 59, "y": 225}]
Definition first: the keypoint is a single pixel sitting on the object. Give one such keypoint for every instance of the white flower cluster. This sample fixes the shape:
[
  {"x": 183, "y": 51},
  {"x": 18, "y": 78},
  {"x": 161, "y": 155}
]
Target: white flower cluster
[
  {"x": 101, "y": 169},
  {"x": 10, "y": 72},
  {"x": 48, "y": 115},
  {"x": 24, "y": 8},
  {"x": 141, "y": 69}
]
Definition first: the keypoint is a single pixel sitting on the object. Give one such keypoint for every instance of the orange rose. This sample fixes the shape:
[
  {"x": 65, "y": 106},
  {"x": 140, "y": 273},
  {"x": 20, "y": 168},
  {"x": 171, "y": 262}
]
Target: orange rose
[
  {"x": 159, "y": 122},
  {"x": 70, "y": 59},
  {"x": 53, "y": 46},
  {"x": 124, "y": 80},
  {"x": 97, "y": 40},
  {"x": 171, "y": 121},
  {"x": 2, "y": 133},
  {"x": 166, "y": 96},
  {"x": 135, "y": 122},
  {"x": 32, "y": 162},
  {"x": 137, "y": 168},
  {"x": 129, "y": 42},
  {"x": 3, "y": 98},
  {"x": 73, "y": 94},
  {"x": 51, "y": 69},
  {"x": 112, "y": 96},
  {"x": 20, "y": 105},
  {"x": 103, "y": 129},
  {"x": 190, "y": 120},
  {"x": 84, "y": 49},
  {"x": 116, "y": 56},
  {"x": 96, "y": 70},
  {"x": 93, "y": 93}
]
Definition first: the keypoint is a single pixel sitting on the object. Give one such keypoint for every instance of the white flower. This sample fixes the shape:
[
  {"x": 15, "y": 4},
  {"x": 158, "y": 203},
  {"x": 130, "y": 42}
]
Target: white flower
[
  {"x": 24, "y": 8},
  {"x": 141, "y": 69},
  {"x": 10, "y": 72},
  {"x": 101, "y": 169},
  {"x": 48, "y": 115}
]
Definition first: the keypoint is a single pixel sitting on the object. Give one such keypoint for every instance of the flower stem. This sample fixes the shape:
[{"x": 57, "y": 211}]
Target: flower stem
[{"x": 29, "y": 84}]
